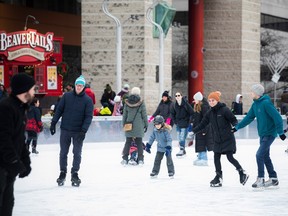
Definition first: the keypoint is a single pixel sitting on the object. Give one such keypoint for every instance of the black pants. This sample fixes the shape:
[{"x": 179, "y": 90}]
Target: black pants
[
  {"x": 138, "y": 141},
  {"x": 157, "y": 163},
  {"x": 6, "y": 193},
  {"x": 32, "y": 136},
  {"x": 231, "y": 159}
]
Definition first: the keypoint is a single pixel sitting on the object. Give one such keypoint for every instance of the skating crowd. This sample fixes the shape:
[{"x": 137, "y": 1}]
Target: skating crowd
[{"x": 207, "y": 122}]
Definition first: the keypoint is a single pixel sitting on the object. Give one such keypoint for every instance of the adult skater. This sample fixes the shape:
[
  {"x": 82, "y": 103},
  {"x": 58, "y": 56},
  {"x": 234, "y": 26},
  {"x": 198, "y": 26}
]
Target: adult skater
[
  {"x": 76, "y": 109},
  {"x": 221, "y": 118},
  {"x": 269, "y": 125}
]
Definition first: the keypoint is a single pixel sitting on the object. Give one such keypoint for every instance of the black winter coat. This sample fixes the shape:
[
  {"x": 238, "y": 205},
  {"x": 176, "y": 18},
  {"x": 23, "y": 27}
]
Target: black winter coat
[
  {"x": 164, "y": 109},
  {"x": 221, "y": 118},
  {"x": 76, "y": 111},
  {"x": 12, "y": 134},
  {"x": 181, "y": 114},
  {"x": 203, "y": 138}
]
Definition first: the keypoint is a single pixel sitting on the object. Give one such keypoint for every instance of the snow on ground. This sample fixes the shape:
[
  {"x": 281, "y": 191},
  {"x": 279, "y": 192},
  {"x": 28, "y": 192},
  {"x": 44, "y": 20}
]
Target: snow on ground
[{"x": 109, "y": 189}]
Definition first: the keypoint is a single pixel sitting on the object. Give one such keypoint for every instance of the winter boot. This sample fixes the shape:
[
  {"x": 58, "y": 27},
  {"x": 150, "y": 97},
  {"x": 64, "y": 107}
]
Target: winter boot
[
  {"x": 217, "y": 181},
  {"x": 75, "y": 179},
  {"x": 243, "y": 176},
  {"x": 181, "y": 153},
  {"x": 271, "y": 182},
  {"x": 61, "y": 178},
  {"x": 259, "y": 183}
]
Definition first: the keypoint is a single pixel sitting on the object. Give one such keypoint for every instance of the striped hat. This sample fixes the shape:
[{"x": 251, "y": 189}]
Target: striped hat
[{"x": 80, "y": 81}]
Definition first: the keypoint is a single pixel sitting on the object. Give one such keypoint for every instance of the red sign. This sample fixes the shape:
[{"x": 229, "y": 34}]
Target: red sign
[{"x": 26, "y": 46}]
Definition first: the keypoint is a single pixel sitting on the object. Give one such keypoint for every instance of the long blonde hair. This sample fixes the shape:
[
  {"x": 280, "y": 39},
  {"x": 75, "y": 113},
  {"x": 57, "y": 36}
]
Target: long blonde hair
[{"x": 197, "y": 106}]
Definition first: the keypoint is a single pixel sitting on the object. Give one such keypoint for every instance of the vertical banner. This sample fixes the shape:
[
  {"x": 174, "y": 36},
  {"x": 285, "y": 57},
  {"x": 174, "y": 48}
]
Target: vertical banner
[
  {"x": 196, "y": 41},
  {"x": 52, "y": 77},
  {"x": 2, "y": 74}
]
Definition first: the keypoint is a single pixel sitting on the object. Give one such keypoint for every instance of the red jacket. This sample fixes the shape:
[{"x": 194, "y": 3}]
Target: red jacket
[{"x": 91, "y": 94}]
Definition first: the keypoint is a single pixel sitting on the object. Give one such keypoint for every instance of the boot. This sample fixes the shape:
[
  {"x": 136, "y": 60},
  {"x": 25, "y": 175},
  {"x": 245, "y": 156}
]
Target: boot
[
  {"x": 243, "y": 176},
  {"x": 217, "y": 181}
]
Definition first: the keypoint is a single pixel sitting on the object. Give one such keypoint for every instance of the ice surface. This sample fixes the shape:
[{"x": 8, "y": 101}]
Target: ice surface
[{"x": 110, "y": 189}]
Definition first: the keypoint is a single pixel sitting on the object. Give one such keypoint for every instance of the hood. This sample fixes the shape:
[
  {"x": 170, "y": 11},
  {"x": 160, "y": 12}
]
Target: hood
[
  {"x": 237, "y": 99},
  {"x": 133, "y": 101}
]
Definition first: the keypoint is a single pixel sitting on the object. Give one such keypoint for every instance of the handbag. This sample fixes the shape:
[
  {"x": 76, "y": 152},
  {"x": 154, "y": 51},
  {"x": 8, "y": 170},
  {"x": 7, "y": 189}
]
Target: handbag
[{"x": 128, "y": 126}]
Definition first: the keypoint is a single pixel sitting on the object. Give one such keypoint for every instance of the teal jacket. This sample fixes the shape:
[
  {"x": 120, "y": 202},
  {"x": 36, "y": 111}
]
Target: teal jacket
[{"x": 269, "y": 121}]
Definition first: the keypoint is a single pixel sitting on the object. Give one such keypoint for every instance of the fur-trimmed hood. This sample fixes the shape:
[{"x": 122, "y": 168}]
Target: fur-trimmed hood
[{"x": 134, "y": 101}]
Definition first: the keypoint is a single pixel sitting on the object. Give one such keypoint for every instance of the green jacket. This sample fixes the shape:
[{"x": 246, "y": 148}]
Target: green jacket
[
  {"x": 269, "y": 121},
  {"x": 134, "y": 106}
]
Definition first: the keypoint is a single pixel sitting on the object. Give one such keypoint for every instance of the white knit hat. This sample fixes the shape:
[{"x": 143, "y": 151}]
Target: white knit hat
[
  {"x": 258, "y": 89},
  {"x": 135, "y": 91},
  {"x": 198, "y": 96}
]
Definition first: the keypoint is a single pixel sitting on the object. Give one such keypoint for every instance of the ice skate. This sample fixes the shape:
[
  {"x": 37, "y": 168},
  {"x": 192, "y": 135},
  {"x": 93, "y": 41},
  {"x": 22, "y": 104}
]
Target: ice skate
[
  {"x": 271, "y": 183},
  {"x": 286, "y": 150},
  {"x": 217, "y": 181},
  {"x": 200, "y": 162},
  {"x": 61, "y": 179},
  {"x": 35, "y": 151},
  {"x": 140, "y": 162},
  {"x": 181, "y": 153},
  {"x": 75, "y": 179},
  {"x": 259, "y": 183},
  {"x": 124, "y": 162},
  {"x": 171, "y": 175},
  {"x": 132, "y": 162},
  {"x": 243, "y": 176},
  {"x": 153, "y": 175}
]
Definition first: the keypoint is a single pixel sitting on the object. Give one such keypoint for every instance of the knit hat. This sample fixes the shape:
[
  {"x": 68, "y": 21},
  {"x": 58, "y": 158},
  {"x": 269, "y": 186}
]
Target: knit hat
[
  {"x": 135, "y": 91},
  {"x": 126, "y": 86},
  {"x": 215, "y": 95},
  {"x": 21, "y": 83},
  {"x": 258, "y": 89},
  {"x": 80, "y": 81},
  {"x": 165, "y": 94},
  {"x": 108, "y": 88},
  {"x": 198, "y": 96}
]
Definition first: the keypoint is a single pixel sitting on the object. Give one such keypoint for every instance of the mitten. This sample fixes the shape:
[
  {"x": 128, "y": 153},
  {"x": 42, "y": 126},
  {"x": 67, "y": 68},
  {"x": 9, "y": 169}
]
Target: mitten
[
  {"x": 26, "y": 172},
  {"x": 168, "y": 150},
  {"x": 82, "y": 135},
  {"x": 145, "y": 129},
  {"x": 53, "y": 128},
  {"x": 233, "y": 130},
  {"x": 283, "y": 137},
  {"x": 168, "y": 121},
  {"x": 148, "y": 148},
  {"x": 150, "y": 119}
]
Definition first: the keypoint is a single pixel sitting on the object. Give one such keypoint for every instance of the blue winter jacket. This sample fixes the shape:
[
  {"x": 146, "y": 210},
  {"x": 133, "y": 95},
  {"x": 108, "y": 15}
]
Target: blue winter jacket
[
  {"x": 269, "y": 121},
  {"x": 162, "y": 136},
  {"x": 76, "y": 111}
]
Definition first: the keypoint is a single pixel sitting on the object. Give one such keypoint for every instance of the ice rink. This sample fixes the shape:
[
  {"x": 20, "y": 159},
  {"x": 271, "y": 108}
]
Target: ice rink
[{"x": 108, "y": 188}]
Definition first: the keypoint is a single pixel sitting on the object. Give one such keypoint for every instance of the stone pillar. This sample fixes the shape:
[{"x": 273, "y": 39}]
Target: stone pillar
[
  {"x": 140, "y": 51},
  {"x": 232, "y": 43}
]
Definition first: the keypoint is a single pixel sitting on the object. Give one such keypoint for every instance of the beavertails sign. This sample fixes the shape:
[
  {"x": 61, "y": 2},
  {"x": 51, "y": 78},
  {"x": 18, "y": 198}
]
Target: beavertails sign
[{"x": 26, "y": 46}]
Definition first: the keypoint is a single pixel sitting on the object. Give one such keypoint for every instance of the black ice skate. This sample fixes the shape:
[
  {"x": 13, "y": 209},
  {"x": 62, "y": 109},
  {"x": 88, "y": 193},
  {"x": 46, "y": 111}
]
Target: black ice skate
[
  {"x": 75, "y": 179},
  {"x": 61, "y": 178},
  {"x": 181, "y": 153},
  {"x": 35, "y": 151},
  {"x": 217, "y": 181},
  {"x": 243, "y": 176},
  {"x": 153, "y": 174}
]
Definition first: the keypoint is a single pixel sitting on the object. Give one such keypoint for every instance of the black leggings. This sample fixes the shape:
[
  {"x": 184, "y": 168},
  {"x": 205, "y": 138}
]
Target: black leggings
[{"x": 231, "y": 159}]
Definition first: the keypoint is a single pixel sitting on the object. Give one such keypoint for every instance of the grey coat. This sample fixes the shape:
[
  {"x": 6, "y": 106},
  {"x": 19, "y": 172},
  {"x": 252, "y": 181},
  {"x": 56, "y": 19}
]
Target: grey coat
[{"x": 140, "y": 122}]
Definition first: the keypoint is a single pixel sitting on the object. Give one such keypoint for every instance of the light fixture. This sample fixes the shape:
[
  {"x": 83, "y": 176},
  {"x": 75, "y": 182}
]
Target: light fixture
[{"x": 35, "y": 21}]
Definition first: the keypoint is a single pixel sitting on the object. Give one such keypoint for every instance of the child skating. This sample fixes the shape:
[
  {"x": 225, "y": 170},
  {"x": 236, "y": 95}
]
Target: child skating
[{"x": 161, "y": 133}]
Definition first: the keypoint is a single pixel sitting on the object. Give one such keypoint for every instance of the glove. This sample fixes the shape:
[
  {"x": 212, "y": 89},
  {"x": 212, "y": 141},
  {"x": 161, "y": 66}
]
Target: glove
[
  {"x": 26, "y": 172},
  {"x": 233, "y": 130},
  {"x": 150, "y": 119},
  {"x": 283, "y": 137},
  {"x": 168, "y": 151},
  {"x": 15, "y": 168},
  {"x": 168, "y": 121},
  {"x": 147, "y": 148},
  {"x": 53, "y": 128},
  {"x": 145, "y": 129},
  {"x": 82, "y": 135}
]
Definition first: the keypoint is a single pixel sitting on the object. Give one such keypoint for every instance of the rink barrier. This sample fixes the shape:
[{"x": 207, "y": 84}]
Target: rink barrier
[{"x": 109, "y": 129}]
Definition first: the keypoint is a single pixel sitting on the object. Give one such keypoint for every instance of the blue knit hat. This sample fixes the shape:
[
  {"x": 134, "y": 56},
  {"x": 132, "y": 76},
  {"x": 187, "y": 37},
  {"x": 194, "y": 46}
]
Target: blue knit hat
[{"x": 80, "y": 81}]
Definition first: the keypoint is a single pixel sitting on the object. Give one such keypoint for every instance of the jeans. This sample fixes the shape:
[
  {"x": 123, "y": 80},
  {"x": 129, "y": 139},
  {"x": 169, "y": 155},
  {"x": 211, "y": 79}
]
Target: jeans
[
  {"x": 263, "y": 157},
  {"x": 181, "y": 135},
  {"x": 65, "y": 142}
]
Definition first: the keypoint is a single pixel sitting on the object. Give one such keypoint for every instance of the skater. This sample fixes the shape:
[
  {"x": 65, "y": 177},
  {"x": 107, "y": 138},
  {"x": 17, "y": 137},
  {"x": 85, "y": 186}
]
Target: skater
[
  {"x": 269, "y": 125},
  {"x": 237, "y": 105},
  {"x": 14, "y": 156},
  {"x": 34, "y": 125},
  {"x": 76, "y": 110},
  {"x": 164, "y": 109},
  {"x": 161, "y": 133},
  {"x": 134, "y": 112},
  {"x": 203, "y": 139},
  {"x": 221, "y": 118},
  {"x": 181, "y": 112}
]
